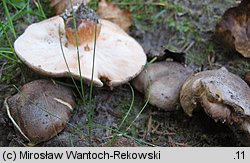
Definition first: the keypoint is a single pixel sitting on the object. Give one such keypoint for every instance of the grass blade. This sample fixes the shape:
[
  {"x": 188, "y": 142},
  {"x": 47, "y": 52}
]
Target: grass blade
[
  {"x": 78, "y": 53},
  {"x": 40, "y": 8},
  {"x": 65, "y": 60},
  {"x": 130, "y": 107},
  {"x": 142, "y": 109},
  {"x": 126, "y": 116},
  {"x": 9, "y": 19}
]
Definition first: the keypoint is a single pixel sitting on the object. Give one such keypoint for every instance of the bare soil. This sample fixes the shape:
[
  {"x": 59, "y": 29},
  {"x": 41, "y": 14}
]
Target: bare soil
[{"x": 153, "y": 126}]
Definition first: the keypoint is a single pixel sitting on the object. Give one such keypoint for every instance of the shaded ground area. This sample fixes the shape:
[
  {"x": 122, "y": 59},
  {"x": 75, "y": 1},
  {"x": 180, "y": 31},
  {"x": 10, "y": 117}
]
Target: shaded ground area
[{"x": 182, "y": 26}]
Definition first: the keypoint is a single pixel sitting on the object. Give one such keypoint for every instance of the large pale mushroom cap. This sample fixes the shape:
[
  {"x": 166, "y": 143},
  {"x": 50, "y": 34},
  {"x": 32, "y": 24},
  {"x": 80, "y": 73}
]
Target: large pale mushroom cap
[{"x": 118, "y": 59}]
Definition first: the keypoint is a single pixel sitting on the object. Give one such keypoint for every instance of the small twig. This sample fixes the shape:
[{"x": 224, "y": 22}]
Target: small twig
[
  {"x": 188, "y": 47},
  {"x": 184, "y": 47},
  {"x": 181, "y": 144},
  {"x": 109, "y": 137},
  {"x": 12, "y": 119},
  {"x": 163, "y": 133},
  {"x": 149, "y": 122},
  {"x": 155, "y": 128},
  {"x": 145, "y": 3},
  {"x": 1, "y": 70},
  {"x": 238, "y": 1},
  {"x": 210, "y": 58}
]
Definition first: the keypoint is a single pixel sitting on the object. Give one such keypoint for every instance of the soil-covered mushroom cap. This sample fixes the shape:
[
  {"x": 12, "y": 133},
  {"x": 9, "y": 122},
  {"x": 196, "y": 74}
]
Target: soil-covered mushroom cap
[
  {"x": 224, "y": 97},
  {"x": 40, "y": 110},
  {"x": 161, "y": 82},
  {"x": 118, "y": 57},
  {"x": 234, "y": 28}
]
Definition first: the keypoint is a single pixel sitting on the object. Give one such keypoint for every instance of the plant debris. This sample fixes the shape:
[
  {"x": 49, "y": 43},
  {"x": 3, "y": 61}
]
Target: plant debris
[
  {"x": 234, "y": 28},
  {"x": 107, "y": 10},
  {"x": 61, "y": 5}
]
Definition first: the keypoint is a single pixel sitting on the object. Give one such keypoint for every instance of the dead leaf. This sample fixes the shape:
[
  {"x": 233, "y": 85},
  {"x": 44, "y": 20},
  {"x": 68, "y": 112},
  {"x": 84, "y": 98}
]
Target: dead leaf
[
  {"x": 234, "y": 28},
  {"x": 113, "y": 13},
  {"x": 61, "y": 5}
]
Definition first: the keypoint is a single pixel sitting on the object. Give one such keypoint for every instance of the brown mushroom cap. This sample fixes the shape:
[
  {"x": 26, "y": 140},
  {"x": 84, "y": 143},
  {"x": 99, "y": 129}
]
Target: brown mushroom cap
[
  {"x": 234, "y": 28},
  {"x": 217, "y": 84},
  {"x": 224, "y": 97},
  {"x": 41, "y": 110},
  {"x": 118, "y": 59},
  {"x": 162, "y": 82}
]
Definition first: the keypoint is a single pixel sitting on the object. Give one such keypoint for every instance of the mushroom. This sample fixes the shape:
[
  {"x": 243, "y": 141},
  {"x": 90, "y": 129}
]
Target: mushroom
[
  {"x": 40, "y": 110},
  {"x": 118, "y": 57},
  {"x": 234, "y": 28},
  {"x": 224, "y": 97},
  {"x": 161, "y": 82}
]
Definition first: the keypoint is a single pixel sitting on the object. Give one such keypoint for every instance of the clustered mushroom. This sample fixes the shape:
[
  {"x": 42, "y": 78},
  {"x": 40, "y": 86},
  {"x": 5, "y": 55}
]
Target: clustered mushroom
[
  {"x": 224, "y": 97},
  {"x": 161, "y": 82},
  {"x": 40, "y": 110}
]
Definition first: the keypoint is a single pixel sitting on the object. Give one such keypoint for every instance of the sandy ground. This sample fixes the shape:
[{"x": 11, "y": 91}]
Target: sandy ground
[{"x": 153, "y": 126}]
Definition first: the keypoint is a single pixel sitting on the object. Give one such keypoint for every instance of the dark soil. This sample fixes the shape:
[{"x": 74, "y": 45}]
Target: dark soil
[{"x": 153, "y": 127}]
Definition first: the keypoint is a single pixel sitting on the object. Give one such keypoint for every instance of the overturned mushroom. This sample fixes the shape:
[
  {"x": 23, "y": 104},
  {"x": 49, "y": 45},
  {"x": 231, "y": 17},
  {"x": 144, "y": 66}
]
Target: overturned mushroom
[
  {"x": 49, "y": 47},
  {"x": 161, "y": 82},
  {"x": 224, "y": 97},
  {"x": 40, "y": 110},
  {"x": 234, "y": 28}
]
